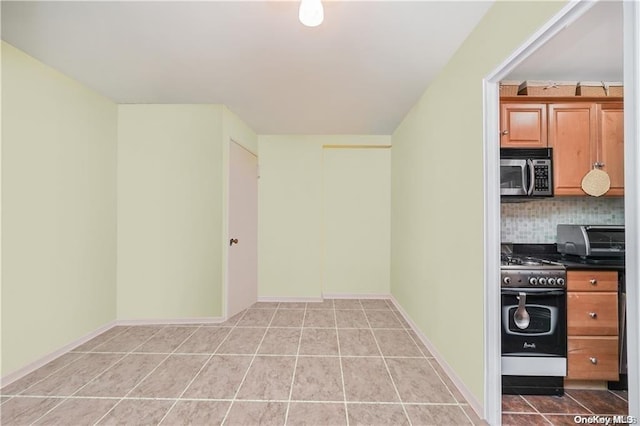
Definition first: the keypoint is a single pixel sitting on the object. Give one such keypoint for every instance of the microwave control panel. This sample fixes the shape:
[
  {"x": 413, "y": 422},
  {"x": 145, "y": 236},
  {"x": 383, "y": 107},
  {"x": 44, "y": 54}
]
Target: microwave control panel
[{"x": 542, "y": 183}]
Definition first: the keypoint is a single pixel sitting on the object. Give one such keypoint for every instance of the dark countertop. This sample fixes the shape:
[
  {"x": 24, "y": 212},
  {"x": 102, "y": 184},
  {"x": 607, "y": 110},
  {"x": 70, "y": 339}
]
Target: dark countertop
[{"x": 549, "y": 252}]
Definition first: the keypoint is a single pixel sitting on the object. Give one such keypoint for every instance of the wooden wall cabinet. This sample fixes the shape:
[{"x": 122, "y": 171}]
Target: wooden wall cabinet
[
  {"x": 592, "y": 325},
  {"x": 584, "y": 133},
  {"x": 523, "y": 125}
]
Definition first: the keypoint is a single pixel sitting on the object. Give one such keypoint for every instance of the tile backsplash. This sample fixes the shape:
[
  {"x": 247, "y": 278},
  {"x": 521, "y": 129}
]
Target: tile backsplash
[{"x": 535, "y": 221}]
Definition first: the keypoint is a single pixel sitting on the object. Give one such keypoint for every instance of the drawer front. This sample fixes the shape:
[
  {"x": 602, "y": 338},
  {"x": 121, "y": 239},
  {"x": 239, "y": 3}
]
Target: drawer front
[
  {"x": 592, "y": 358},
  {"x": 592, "y": 313},
  {"x": 592, "y": 281}
]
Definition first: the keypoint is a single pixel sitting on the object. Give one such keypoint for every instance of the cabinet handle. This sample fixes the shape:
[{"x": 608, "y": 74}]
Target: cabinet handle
[
  {"x": 504, "y": 132},
  {"x": 593, "y": 281},
  {"x": 598, "y": 165},
  {"x": 593, "y": 360},
  {"x": 593, "y": 315}
]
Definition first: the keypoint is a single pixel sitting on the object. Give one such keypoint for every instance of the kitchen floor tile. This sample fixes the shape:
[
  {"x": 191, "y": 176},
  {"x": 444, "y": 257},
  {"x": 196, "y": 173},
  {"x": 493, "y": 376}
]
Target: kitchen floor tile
[
  {"x": 419, "y": 344},
  {"x": 135, "y": 412},
  {"x": 320, "y": 318},
  {"x": 396, "y": 343},
  {"x": 280, "y": 341},
  {"x": 170, "y": 378},
  {"x": 319, "y": 341},
  {"x": 78, "y": 411},
  {"x": 516, "y": 404},
  {"x": 351, "y": 319},
  {"x": 196, "y": 413},
  {"x": 599, "y": 401},
  {"x": 24, "y": 411},
  {"x": 376, "y": 414},
  {"x": 417, "y": 381},
  {"x": 242, "y": 341},
  {"x": 561, "y": 419},
  {"x": 40, "y": 374},
  {"x": 357, "y": 343},
  {"x": 366, "y": 379},
  {"x": 555, "y": 404},
  {"x": 325, "y": 413},
  {"x": 69, "y": 379},
  {"x": 524, "y": 419},
  {"x": 118, "y": 380},
  {"x": 166, "y": 340},
  {"x": 256, "y": 413},
  {"x": 204, "y": 340},
  {"x": 292, "y": 305},
  {"x": 265, "y": 305},
  {"x": 269, "y": 378},
  {"x": 621, "y": 394},
  {"x": 437, "y": 415},
  {"x": 220, "y": 378},
  {"x": 288, "y": 318},
  {"x": 317, "y": 379}
]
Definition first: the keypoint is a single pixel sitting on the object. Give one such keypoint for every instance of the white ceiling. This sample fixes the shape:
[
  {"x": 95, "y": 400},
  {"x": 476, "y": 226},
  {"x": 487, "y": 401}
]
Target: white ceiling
[
  {"x": 590, "y": 49},
  {"x": 358, "y": 73}
]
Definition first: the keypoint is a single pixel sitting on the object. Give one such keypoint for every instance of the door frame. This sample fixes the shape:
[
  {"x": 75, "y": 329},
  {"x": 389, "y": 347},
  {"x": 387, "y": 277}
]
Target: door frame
[{"x": 491, "y": 115}]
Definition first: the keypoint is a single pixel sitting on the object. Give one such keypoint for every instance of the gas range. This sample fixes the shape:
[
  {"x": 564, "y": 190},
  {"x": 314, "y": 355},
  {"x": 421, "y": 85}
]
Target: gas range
[{"x": 524, "y": 271}]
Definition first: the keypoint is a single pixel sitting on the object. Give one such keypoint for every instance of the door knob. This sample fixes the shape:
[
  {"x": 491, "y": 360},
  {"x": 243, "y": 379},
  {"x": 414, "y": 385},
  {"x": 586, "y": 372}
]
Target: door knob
[{"x": 233, "y": 241}]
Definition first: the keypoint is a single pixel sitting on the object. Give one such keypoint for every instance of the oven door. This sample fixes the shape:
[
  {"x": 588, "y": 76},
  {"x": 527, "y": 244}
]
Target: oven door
[
  {"x": 545, "y": 333},
  {"x": 514, "y": 177}
]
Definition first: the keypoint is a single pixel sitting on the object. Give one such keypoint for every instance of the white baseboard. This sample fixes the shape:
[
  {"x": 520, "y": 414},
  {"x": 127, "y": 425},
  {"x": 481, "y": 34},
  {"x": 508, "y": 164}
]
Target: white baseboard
[
  {"x": 466, "y": 393},
  {"x": 356, "y": 296},
  {"x": 164, "y": 321},
  {"x": 289, "y": 299},
  {"x": 21, "y": 372}
]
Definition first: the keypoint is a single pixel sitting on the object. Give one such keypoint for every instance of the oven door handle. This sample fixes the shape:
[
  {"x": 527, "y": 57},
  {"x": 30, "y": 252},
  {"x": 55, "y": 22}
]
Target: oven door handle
[{"x": 512, "y": 291}]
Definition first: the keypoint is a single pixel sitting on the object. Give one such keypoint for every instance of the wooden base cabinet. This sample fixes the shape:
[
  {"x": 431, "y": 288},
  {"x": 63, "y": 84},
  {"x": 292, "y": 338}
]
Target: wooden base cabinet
[{"x": 592, "y": 325}]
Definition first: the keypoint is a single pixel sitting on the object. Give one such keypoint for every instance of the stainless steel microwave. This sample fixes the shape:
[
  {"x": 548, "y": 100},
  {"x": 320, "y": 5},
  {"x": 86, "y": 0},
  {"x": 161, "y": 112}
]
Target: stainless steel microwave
[{"x": 526, "y": 172}]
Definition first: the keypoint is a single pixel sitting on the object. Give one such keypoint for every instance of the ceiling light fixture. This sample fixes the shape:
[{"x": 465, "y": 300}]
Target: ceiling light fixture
[{"x": 311, "y": 13}]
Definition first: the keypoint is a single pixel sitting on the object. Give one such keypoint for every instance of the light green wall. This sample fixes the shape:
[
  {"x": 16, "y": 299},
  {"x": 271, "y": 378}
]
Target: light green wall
[
  {"x": 59, "y": 210},
  {"x": 437, "y": 192},
  {"x": 170, "y": 211},
  {"x": 290, "y": 212},
  {"x": 356, "y": 222}
]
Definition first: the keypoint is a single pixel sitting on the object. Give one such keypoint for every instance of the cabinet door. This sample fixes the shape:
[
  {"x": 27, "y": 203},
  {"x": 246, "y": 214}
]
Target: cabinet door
[
  {"x": 523, "y": 125},
  {"x": 611, "y": 144},
  {"x": 572, "y": 132}
]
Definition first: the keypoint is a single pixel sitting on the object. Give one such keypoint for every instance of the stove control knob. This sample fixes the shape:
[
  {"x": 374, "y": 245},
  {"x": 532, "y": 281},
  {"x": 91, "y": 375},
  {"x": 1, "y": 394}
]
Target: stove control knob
[
  {"x": 506, "y": 280},
  {"x": 552, "y": 281},
  {"x": 542, "y": 281},
  {"x": 533, "y": 281},
  {"x": 560, "y": 281}
]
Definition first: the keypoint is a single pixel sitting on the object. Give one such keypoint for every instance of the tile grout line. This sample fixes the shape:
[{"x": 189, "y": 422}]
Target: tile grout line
[
  {"x": 146, "y": 375},
  {"x": 97, "y": 375},
  {"x": 447, "y": 387},
  {"x": 344, "y": 388},
  {"x": 246, "y": 373},
  {"x": 581, "y": 404},
  {"x": 199, "y": 371},
  {"x": 618, "y": 396},
  {"x": 295, "y": 366},
  {"x": 384, "y": 361}
]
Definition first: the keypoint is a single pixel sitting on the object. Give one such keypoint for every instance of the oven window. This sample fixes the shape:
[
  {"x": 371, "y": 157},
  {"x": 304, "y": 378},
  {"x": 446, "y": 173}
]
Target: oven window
[{"x": 541, "y": 320}]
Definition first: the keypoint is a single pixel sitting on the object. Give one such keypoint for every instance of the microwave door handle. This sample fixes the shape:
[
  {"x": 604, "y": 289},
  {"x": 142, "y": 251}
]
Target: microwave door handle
[{"x": 532, "y": 177}]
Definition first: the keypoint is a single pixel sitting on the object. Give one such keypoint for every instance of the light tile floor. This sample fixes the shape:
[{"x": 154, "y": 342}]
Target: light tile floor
[{"x": 335, "y": 362}]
